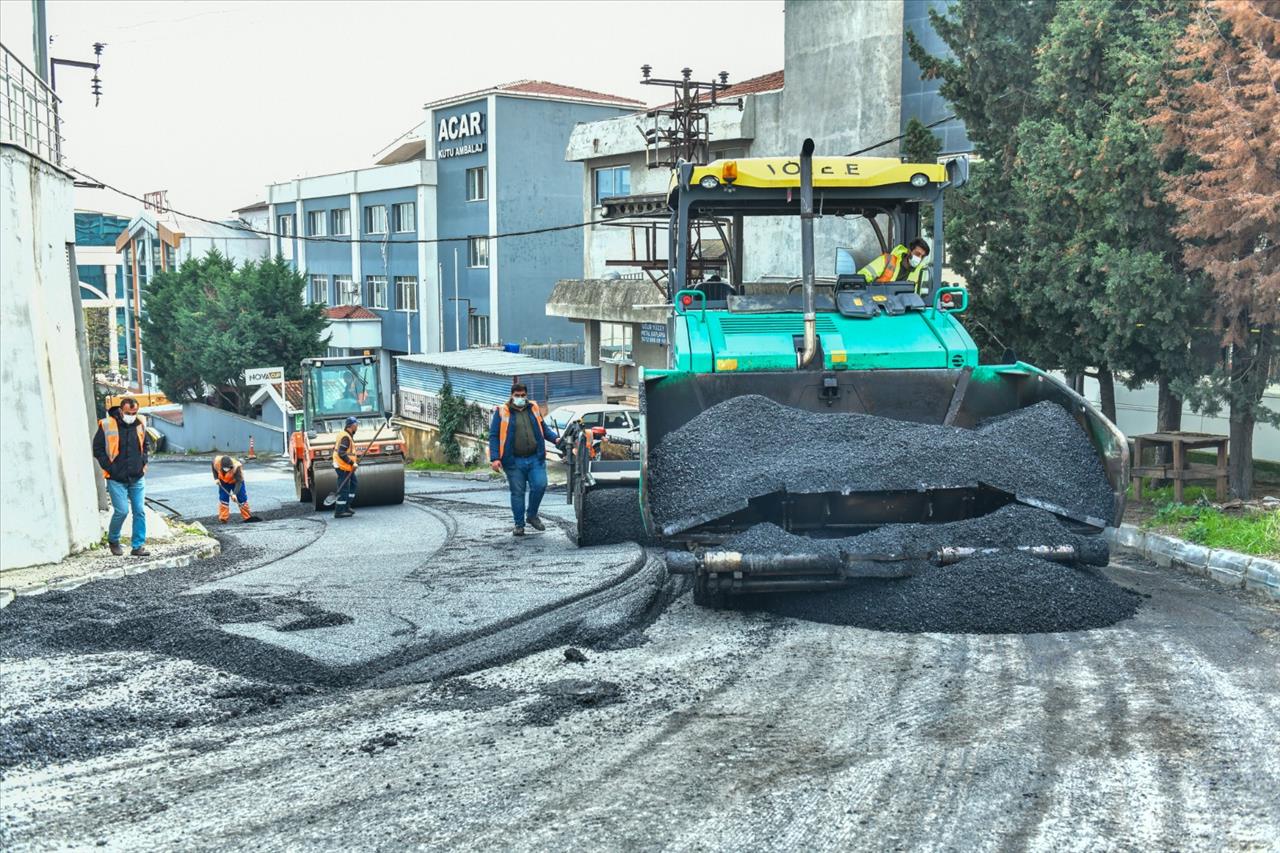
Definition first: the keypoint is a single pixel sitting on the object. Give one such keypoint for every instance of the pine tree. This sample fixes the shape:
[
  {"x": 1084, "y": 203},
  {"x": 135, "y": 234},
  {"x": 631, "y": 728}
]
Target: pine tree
[
  {"x": 919, "y": 144},
  {"x": 209, "y": 321},
  {"x": 1221, "y": 107}
]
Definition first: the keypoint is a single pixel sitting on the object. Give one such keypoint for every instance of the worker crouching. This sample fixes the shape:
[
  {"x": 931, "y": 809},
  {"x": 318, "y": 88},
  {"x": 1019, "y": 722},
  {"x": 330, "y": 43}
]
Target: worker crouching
[
  {"x": 346, "y": 461},
  {"x": 228, "y": 473}
]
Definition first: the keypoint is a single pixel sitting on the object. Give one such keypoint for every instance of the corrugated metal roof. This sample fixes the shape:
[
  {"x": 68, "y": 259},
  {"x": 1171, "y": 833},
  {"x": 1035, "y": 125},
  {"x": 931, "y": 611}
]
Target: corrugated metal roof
[{"x": 492, "y": 361}]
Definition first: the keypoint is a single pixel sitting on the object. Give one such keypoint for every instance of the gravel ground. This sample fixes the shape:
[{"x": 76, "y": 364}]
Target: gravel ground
[
  {"x": 738, "y": 731},
  {"x": 750, "y": 446}
]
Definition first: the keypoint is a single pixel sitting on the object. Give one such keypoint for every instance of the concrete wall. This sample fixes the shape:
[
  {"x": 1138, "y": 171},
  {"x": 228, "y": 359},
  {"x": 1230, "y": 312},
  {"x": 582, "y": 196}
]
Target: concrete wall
[
  {"x": 47, "y": 481},
  {"x": 1136, "y": 414},
  {"x": 205, "y": 428}
]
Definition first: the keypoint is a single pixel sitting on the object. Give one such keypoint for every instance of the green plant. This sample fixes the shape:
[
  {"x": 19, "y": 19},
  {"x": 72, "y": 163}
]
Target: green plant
[
  {"x": 1250, "y": 532},
  {"x": 429, "y": 465},
  {"x": 455, "y": 412}
]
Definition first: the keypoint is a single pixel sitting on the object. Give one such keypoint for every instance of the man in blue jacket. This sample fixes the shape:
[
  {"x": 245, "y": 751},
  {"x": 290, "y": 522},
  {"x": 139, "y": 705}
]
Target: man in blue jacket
[{"x": 518, "y": 445}]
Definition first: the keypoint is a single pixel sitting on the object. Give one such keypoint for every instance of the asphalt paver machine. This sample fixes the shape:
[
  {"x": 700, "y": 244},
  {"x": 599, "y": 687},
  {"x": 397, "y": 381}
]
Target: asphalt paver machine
[
  {"x": 844, "y": 345},
  {"x": 334, "y": 389}
]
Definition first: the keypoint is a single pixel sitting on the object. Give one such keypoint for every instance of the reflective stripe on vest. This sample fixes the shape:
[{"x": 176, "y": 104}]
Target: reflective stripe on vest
[
  {"x": 347, "y": 444},
  {"x": 228, "y": 477},
  {"x": 504, "y": 412},
  {"x": 111, "y": 431},
  {"x": 890, "y": 267}
]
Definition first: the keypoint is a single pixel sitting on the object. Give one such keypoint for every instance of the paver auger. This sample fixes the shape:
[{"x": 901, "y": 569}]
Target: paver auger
[
  {"x": 334, "y": 389},
  {"x": 842, "y": 346}
]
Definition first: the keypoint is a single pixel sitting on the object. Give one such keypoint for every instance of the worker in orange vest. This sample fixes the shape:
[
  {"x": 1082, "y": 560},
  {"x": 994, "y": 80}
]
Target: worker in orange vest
[
  {"x": 346, "y": 460},
  {"x": 228, "y": 473},
  {"x": 904, "y": 263},
  {"x": 518, "y": 446},
  {"x": 121, "y": 446}
]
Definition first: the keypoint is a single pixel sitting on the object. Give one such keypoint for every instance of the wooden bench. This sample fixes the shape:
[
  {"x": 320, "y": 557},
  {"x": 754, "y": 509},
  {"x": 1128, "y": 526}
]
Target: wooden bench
[{"x": 1180, "y": 471}]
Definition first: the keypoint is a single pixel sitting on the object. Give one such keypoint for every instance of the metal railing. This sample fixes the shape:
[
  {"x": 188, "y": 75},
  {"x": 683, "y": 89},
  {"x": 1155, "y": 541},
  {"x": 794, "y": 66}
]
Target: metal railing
[{"x": 28, "y": 110}]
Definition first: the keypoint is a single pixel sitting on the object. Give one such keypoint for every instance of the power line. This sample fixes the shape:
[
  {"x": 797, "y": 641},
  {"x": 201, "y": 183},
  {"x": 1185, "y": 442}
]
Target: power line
[
  {"x": 899, "y": 136},
  {"x": 315, "y": 238}
]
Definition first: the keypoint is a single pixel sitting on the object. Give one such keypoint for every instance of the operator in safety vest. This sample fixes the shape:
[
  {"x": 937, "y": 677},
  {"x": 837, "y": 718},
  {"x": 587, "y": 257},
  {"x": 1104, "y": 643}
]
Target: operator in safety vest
[
  {"x": 518, "y": 445},
  {"x": 228, "y": 473},
  {"x": 346, "y": 461},
  {"x": 121, "y": 446},
  {"x": 904, "y": 263}
]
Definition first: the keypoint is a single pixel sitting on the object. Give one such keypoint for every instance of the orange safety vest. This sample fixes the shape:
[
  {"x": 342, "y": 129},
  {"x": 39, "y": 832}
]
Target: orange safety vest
[
  {"x": 504, "y": 413},
  {"x": 890, "y": 268},
  {"x": 347, "y": 444},
  {"x": 228, "y": 477},
  {"x": 111, "y": 431}
]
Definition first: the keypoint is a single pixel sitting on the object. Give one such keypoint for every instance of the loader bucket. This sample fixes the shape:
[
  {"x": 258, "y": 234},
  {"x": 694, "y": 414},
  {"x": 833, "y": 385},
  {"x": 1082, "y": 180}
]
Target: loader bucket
[{"x": 951, "y": 397}]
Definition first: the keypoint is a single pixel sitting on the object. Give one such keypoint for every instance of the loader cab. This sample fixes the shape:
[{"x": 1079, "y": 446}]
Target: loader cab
[{"x": 336, "y": 388}]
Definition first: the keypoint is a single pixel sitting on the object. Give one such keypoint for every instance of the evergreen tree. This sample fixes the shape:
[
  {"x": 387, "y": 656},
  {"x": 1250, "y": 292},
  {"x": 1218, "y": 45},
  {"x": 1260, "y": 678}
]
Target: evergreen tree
[
  {"x": 1221, "y": 106},
  {"x": 919, "y": 145},
  {"x": 208, "y": 321}
]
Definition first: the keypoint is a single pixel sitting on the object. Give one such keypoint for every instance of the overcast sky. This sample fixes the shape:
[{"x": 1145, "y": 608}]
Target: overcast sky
[{"x": 212, "y": 101}]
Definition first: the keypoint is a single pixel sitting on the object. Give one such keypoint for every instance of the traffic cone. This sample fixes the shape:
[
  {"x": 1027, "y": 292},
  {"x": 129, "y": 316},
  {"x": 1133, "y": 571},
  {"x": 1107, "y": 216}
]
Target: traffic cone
[{"x": 251, "y": 453}]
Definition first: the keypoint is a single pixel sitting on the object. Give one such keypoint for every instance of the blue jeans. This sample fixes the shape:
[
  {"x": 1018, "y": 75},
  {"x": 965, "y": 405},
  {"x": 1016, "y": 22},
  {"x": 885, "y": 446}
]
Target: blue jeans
[
  {"x": 346, "y": 491},
  {"x": 526, "y": 473},
  {"x": 125, "y": 500}
]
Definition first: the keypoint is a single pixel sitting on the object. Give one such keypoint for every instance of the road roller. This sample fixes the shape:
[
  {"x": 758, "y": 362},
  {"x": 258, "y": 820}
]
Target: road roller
[{"x": 334, "y": 389}]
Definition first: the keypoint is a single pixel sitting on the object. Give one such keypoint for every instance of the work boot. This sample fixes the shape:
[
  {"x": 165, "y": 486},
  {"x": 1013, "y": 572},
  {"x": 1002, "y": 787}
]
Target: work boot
[
  {"x": 535, "y": 522},
  {"x": 519, "y": 531},
  {"x": 346, "y": 513},
  {"x": 116, "y": 550},
  {"x": 140, "y": 552}
]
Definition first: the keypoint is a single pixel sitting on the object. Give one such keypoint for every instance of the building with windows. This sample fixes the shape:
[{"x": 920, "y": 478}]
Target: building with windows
[
  {"x": 100, "y": 272},
  {"x": 400, "y": 252}
]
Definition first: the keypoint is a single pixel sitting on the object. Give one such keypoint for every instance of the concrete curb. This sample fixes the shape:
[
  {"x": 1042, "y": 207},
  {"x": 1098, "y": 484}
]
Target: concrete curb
[
  {"x": 478, "y": 476},
  {"x": 1228, "y": 568},
  {"x": 175, "y": 561}
]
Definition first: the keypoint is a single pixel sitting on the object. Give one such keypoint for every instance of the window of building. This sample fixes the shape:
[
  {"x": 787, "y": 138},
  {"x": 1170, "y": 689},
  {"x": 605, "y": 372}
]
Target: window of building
[
  {"x": 319, "y": 288},
  {"x": 478, "y": 329},
  {"x": 729, "y": 154},
  {"x": 613, "y": 181},
  {"x": 284, "y": 225},
  {"x": 377, "y": 291},
  {"x": 341, "y": 219},
  {"x": 615, "y": 340},
  {"x": 407, "y": 292},
  {"x": 404, "y": 217},
  {"x": 348, "y": 291},
  {"x": 316, "y": 223},
  {"x": 477, "y": 251},
  {"x": 375, "y": 219},
  {"x": 478, "y": 183}
]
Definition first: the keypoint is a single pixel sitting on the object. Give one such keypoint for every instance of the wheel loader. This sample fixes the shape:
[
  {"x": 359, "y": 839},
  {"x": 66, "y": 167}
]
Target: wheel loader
[
  {"x": 334, "y": 389},
  {"x": 893, "y": 349}
]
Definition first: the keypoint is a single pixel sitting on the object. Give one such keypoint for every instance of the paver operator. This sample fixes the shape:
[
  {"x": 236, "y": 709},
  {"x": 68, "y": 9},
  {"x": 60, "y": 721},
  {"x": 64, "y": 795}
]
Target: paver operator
[
  {"x": 904, "y": 263},
  {"x": 121, "y": 447},
  {"x": 346, "y": 461},
  {"x": 518, "y": 445},
  {"x": 228, "y": 473}
]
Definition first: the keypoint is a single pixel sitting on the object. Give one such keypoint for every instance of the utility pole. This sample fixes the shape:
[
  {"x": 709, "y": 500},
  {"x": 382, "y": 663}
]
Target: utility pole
[
  {"x": 681, "y": 130},
  {"x": 95, "y": 85}
]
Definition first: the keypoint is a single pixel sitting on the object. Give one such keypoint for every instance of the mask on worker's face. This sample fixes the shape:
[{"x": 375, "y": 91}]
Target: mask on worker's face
[
  {"x": 129, "y": 418},
  {"x": 519, "y": 402},
  {"x": 915, "y": 261}
]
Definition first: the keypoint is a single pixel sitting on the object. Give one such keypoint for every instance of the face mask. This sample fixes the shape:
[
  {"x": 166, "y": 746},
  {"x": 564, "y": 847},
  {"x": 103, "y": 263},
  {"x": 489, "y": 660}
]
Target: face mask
[
  {"x": 519, "y": 402},
  {"x": 129, "y": 418},
  {"x": 915, "y": 261}
]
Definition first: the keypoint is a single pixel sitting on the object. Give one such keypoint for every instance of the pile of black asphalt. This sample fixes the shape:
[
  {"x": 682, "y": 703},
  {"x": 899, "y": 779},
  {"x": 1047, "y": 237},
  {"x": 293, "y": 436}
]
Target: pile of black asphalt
[
  {"x": 751, "y": 446},
  {"x": 612, "y": 515},
  {"x": 1008, "y": 592}
]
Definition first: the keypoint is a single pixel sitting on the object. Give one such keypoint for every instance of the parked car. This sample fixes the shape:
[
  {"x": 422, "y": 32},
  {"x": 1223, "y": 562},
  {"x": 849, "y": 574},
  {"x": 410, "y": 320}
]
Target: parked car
[{"x": 617, "y": 420}]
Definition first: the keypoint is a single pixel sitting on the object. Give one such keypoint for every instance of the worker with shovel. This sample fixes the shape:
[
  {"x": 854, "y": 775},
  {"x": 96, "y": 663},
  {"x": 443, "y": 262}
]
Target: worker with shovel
[
  {"x": 346, "y": 460},
  {"x": 228, "y": 473}
]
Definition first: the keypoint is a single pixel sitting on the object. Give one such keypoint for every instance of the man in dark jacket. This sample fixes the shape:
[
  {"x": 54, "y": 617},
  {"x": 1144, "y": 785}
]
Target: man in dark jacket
[
  {"x": 121, "y": 447},
  {"x": 518, "y": 445}
]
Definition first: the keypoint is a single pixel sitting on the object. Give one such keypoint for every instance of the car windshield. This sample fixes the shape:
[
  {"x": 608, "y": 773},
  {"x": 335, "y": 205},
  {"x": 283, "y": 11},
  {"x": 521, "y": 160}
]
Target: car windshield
[{"x": 344, "y": 389}]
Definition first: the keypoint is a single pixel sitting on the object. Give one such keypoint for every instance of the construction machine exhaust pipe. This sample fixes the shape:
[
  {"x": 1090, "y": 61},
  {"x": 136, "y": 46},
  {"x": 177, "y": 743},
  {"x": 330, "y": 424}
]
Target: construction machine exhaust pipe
[{"x": 806, "y": 256}]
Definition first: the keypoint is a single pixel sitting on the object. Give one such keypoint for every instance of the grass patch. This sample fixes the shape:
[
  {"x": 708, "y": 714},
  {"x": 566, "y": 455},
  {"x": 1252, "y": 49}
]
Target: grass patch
[
  {"x": 428, "y": 465},
  {"x": 1256, "y": 533},
  {"x": 1164, "y": 494}
]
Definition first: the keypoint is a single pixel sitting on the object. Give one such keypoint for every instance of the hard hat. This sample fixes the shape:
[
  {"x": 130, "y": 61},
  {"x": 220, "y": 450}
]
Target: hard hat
[{"x": 352, "y": 420}]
